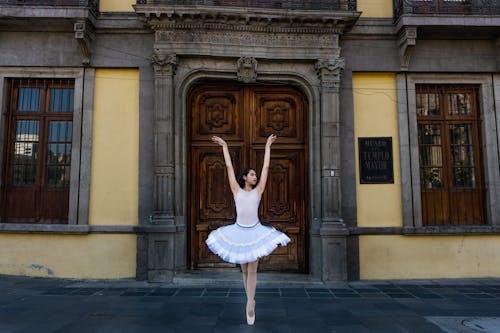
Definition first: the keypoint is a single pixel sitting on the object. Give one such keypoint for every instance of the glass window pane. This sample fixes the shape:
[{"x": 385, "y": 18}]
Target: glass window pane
[
  {"x": 431, "y": 156},
  {"x": 25, "y": 152},
  {"x": 28, "y": 99},
  {"x": 464, "y": 177},
  {"x": 462, "y": 156},
  {"x": 459, "y": 104},
  {"x": 61, "y": 100},
  {"x": 27, "y": 129},
  {"x": 431, "y": 178},
  {"x": 427, "y": 104},
  {"x": 24, "y": 175},
  {"x": 60, "y": 131},
  {"x": 59, "y": 153},
  {"x": 461, "y": 134},
  {"x": 26, "y": 141},
  {"x": 58, "y": 175},
  {"x": 429, "y": 134}
]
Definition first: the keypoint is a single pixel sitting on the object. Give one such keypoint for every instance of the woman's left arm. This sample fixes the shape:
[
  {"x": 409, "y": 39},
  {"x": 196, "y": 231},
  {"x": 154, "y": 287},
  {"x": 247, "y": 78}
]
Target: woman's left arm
[{"x": 261, "y": 186}]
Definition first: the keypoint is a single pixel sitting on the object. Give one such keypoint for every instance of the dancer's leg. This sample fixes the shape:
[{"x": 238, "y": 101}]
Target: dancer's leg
[
  {"x": 251, "y": 286},
  {"x": 244, "y": 271}
]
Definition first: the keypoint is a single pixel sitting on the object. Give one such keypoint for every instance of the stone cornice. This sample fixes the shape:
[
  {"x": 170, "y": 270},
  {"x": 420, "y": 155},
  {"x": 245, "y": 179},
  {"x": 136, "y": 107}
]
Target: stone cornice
[
  {"x": 244, "y": 19},
  {"x": 47, "y": 15}
]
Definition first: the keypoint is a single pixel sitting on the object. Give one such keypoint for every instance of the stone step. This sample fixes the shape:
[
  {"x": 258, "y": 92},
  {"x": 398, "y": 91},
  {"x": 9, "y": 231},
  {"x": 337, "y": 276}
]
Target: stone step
[{"x": 232, "y": 278}]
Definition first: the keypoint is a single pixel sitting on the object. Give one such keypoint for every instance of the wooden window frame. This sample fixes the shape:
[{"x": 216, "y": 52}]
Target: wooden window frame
[
  {"x": 446, "y": 190},
  {"x": 409, "y": 154},
  {"x": 81, "y": 145}
]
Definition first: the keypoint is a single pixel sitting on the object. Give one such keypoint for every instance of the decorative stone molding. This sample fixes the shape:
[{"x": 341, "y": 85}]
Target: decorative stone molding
[
  {"x": 247, "y": 69},
  {"x": 164, "y": 64},
  {"x": 241, "y": 19},
  {"x": 407, "y": 40},
  {"x": 84, "y": 33},
  {"x": 329, "y": 72},
  {"x": 243, "y": 37},
  {"x": 235, "y": 32}
]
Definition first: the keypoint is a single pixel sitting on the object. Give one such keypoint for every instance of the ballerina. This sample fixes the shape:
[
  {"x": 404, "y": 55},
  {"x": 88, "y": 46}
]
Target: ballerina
[{"x": 246, "y": 240}]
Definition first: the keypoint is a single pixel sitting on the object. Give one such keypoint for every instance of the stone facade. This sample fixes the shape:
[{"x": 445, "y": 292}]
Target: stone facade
[{"x": 174, "y": 48}]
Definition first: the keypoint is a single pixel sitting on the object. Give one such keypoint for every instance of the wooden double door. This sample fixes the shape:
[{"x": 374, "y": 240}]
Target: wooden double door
[{"x": 245, "y": 116}]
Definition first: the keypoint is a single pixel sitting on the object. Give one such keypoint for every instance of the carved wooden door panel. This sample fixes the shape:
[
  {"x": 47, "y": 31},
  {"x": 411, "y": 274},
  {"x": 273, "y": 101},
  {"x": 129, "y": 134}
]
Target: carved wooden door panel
[{"x": 245, "y": 116}]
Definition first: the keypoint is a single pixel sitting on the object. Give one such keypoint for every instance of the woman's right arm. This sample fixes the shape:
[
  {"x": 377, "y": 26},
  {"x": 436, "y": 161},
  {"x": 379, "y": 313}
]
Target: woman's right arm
[{"x": 229, "y": 165}]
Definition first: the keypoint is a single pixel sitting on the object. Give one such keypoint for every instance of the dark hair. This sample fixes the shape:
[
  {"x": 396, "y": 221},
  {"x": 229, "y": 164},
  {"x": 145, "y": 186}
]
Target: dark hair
[{"x": 243, "y": 173}]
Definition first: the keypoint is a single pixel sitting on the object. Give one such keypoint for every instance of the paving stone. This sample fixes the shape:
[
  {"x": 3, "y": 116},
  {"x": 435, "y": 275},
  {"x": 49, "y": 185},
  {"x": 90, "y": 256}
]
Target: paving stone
[{"x": 354, "y": 307}]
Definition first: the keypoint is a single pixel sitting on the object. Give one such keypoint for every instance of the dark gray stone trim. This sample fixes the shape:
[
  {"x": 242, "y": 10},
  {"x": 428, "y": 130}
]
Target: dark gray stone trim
[
  {"x": 372, "y": 28},
  {"x": 408, "y": 208},
  {"x": 31, "y": 228},
  {"x": 431, "y": 230},
  {"x": 85, "y": 161},
  {"x": 146, "y": 231},
  {"x": 254, "y": 19},
  {"x": 353, "y": 267},
  {"x": 448, "y": 20},
  {"x": 44, "y": 12},
  {"x": 376, "y": 231}
]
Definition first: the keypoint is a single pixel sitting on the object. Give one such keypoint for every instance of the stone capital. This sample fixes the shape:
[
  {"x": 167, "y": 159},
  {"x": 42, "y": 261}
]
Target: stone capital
[
  {"x": 329, "y": 72},
  {"x": 164, "y": 64}
]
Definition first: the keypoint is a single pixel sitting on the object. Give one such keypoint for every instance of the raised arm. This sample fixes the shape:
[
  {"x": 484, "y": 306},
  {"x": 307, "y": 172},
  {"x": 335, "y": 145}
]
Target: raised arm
[
  {"x": 261, "y": 186},
  {"x": 229, "y": 165}
]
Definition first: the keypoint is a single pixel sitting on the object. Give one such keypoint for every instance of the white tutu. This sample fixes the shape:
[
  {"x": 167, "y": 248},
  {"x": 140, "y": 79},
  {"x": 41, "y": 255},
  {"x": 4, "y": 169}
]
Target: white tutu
[{"x": 240, "y": 245}]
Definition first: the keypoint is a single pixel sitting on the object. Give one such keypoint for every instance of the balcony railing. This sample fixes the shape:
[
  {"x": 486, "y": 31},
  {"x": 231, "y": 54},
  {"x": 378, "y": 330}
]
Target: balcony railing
[
  {"x": 92, "y": 4},
  {"x": 333, "y": 5},
  {"x": 443, "y": 7}
]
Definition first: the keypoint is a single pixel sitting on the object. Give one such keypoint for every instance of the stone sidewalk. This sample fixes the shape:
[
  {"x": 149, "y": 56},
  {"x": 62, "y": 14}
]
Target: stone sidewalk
[{"x": 57, "y": 305}]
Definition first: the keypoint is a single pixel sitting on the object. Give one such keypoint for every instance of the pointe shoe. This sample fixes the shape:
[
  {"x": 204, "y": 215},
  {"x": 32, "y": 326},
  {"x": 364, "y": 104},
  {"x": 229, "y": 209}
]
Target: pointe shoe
[{"x": 251, "y": 319}]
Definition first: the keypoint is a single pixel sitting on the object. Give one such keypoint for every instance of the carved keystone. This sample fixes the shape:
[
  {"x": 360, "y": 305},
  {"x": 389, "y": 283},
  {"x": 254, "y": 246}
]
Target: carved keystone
[{"x": 247, "y": 69}]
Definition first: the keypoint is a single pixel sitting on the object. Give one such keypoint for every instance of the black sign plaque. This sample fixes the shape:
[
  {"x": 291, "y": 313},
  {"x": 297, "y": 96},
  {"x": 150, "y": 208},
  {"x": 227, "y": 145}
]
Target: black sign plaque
[{"x": 375, "y": 161}]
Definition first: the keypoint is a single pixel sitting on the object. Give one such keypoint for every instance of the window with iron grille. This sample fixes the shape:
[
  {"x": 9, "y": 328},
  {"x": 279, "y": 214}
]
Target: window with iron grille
[
  {"x": 37, "y": 155},
  {"x": 450, "y": 159}
]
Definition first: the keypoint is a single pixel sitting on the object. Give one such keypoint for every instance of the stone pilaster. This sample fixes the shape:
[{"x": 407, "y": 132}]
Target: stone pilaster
[
  {"x": 332, "y": 231},
  {"x": 163, "y": 195},
  {"x": 161, "y": 243}
]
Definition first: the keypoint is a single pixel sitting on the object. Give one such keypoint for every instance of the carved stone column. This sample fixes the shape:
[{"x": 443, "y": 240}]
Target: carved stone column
[
  {"x": 333, "y": 231},
  {"x": 161, "y": 237},
  {"x": 164, "y": 71}
]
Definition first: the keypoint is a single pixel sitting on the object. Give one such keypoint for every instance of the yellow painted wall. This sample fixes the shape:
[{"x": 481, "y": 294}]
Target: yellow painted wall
[
  {"x": 375, "y": 115},
  {"x": 115, "y": 148},
  {"x": 116, "y": 5},
  {"x": 375, "y": 8},
  {"x": 113, "y": 196},
  {"x": 68, "y": 256},
  {"x": 414, "y": 257}
]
